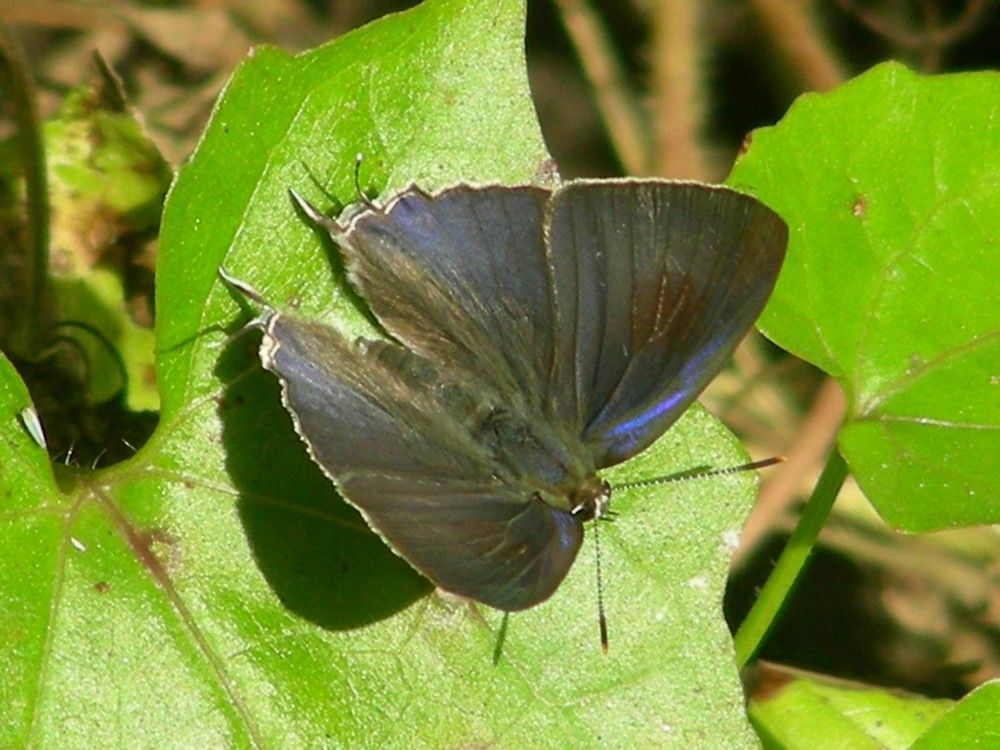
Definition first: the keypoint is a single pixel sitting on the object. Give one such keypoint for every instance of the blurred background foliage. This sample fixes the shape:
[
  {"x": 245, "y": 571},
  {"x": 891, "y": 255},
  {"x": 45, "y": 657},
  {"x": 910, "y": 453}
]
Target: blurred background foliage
[{"x": 666, "y": 87}]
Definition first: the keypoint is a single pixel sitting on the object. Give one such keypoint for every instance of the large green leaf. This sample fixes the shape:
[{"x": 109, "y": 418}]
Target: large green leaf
[
  {"x": 34, "y": 542},
  {"x": 808, "y": 713},
  {"x": 214, "y": 591},
  {"x": 972, "y": 723},
  {"x": 891, "y": 188}
]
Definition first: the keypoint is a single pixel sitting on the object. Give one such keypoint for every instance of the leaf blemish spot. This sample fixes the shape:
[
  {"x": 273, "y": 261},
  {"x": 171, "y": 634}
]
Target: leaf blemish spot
[
  {"x": 730, "y": 540},
  {"x": 699, "y": 583}
]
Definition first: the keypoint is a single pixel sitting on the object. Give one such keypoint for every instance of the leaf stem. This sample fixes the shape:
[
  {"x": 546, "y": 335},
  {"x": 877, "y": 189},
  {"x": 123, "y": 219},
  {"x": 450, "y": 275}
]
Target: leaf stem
[{"x": 774, "y": 594}]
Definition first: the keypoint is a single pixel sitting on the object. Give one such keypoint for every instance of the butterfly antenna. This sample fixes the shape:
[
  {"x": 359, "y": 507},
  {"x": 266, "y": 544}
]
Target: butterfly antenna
[
  {"x": 362, "y": 198},
  {"x": 602, "y": 622},
  {"x": 316, "y": 182},
  {"x": 700, "y": 473}
]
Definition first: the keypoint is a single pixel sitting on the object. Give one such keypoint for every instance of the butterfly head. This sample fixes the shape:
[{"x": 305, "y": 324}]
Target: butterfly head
[{"x": 591, "y": 499}]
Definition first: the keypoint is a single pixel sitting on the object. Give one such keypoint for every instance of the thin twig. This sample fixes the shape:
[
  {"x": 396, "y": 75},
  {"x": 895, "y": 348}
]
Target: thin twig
[
  {"x": 964, "y": 23},
  {"x": 932, "y": 40},
  {"x": 621, "y": 113},
  {"x": 678, "y": 99},
  {"x": 791, "y": 28}
]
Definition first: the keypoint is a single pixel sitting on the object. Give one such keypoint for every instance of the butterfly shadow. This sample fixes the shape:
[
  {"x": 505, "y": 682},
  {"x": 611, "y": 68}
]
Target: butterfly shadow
[{"x": 315, "y": 551}]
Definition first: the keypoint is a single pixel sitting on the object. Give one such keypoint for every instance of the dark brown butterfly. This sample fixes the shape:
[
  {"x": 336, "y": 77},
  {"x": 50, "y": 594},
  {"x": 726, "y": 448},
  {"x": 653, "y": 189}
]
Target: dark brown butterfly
[{"x": 535, "y": 336}]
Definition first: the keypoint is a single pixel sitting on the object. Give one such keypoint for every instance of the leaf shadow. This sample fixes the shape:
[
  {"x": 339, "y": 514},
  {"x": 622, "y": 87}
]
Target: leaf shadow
[{"x": 315, "y": 551}]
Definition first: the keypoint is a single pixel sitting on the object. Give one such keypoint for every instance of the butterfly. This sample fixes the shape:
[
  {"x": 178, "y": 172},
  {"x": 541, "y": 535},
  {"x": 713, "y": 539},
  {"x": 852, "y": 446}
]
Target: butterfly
[{"x": 534, "y": 336}]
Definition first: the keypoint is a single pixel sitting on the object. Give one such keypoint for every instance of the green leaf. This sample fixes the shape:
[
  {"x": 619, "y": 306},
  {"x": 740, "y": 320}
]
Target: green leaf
[
  {"x": 891, "y": 188},
  {"x": 972, "y": 723},
  {"x": 214, "y": 590},
  {"x": 806, "y": 714},
  {"x": 32, "y": 542}
]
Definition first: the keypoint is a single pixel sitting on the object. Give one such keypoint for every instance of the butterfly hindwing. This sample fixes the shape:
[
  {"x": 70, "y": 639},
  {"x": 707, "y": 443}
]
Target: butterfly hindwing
[{"x": 392, "y": 441}]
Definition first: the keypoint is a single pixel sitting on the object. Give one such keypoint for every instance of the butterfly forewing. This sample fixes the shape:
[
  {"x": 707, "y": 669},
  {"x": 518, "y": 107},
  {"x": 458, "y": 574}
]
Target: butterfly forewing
[
  {"x": 656, "y": 284},
  {"x": 461, "y": 277}
]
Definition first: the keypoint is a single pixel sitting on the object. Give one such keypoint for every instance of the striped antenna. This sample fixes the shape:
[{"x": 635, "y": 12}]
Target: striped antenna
[{"x": 700, "y": 473}]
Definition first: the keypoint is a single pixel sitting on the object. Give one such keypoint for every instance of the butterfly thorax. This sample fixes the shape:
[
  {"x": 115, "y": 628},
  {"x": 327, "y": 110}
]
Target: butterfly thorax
[{"x": 547, "y": 461}]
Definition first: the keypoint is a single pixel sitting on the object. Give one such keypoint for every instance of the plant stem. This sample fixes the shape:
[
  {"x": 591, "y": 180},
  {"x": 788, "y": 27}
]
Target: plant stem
[
  {"x": 14, "y": 67},
  {"x": 776, "y": 590}
]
